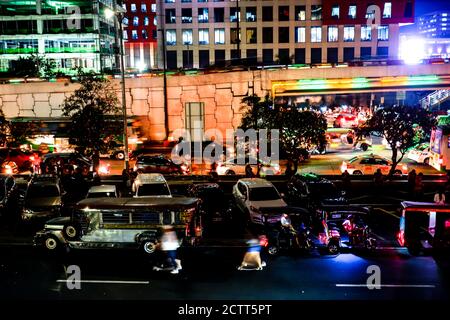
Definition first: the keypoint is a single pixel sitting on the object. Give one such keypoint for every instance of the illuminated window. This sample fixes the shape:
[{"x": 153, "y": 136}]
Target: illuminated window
[
  {"x": 352, "y": 12},
  {"x": 203, "y": 36},
  {"x": 383, "y": 33},
  {"x": 169, "y": 1},
  {"x": 250, "y": 14},
  {"x": 387, "y": 11},
  {"x": 300, "y": 34},
  {"x": 333, "y": 34},
  {"x": 316, "y": 34},
  {"x": 155, "y": 21},
  {"x": 300, "y": 13},
  {"x": 146, "y": 21},
  {"x": 335, "y": 11},
  {"x": 251, "y": 35},
  {"x": 153, "y": 7},
  {"x": 366, "y": 33},
  {"x": 219, "y": 36},
  {"x": 135, "y": 21},
  {"x": 134, "y": 34},
  {"x": 203, "y": 15},
  {"x": 125, "y": 21},
  {"x": 144, "y": 8},
  {"x": 187, "y": 36},
  {"x": 133, "y": 7},
  {"x": 171, "y": 16},
  {"x": 234, "y": 14},
  {"x": 125, "y": 35},
  {"x": 171, "y": 37},
  {"x": 349, "y": 34},
  {"x": 144, "y": 34}
]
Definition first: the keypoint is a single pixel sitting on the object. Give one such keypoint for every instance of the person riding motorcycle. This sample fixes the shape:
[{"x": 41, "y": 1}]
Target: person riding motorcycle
[
  {"x": 350, "y": 227},
  {"x": 287, "y": 228}
]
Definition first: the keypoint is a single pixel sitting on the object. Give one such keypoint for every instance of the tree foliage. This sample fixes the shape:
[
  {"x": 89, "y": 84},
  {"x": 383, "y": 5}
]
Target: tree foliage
[
  {"x": 94, "y": 111},
  {"x": 401, "y": 126},
  {"x": 26, "y": 67},
  {"x": 14, "y": 133},
  {"x": 299, "y": 130}
]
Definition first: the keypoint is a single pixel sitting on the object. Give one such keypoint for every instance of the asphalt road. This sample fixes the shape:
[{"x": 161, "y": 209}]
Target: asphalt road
[{"x": 212, "y": 274}]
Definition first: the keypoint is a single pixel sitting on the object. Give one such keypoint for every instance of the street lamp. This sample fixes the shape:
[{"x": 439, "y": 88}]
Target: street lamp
[{"x": 118, "y": 17}]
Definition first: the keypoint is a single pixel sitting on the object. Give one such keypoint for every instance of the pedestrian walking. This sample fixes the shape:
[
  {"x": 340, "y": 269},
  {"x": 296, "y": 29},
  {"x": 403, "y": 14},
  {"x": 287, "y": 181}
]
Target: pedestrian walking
[
  {"x": 169, "y": 246},
  {"x": 418, "y": 186},
  {"x": 346, "y": 181},
  {"x": 411, "y": 181}
]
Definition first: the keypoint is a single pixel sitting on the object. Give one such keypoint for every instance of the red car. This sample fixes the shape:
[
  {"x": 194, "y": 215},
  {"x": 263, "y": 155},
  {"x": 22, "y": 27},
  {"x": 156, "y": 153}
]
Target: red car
[
  {"x": 346, "y": 120},
  {"x": 14, "y": 160}
]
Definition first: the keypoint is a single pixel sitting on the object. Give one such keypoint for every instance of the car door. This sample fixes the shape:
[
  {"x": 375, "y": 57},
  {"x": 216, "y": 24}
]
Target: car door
[
  {"x": 383, "y": 165},
  {"x": 241, "y": 196},
  {"x": 367, "y": 166}
]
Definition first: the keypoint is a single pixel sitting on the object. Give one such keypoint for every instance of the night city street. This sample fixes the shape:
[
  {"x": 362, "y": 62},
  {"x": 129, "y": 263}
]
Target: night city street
[{"x": 194, "y": 159}]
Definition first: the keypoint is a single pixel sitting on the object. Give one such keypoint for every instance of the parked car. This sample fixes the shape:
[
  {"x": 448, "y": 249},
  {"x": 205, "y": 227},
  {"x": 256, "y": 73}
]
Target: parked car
[
  {"x": 236, "y": 166},
  {"x": 420, "y": 153},
  {"x": 368, "y": 164},
  {"x": 103, "y": 191},
  {"x": 151, "y": 185},
  {"x": 346, "y": 120},
  {"x": 214, "y": 205},
  {"x": 311, "y": 191},
  {"x": 252, "y": 194},
  {"x": 17, "y": 160},
  {"x": 158, "y": 164},
  {"x": 68, "y": 158},
  {"x": 43, "y": 198}
]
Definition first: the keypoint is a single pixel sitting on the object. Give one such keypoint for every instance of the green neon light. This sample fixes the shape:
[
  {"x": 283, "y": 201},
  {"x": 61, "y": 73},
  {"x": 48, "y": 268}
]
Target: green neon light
[{"x": 423, "y": 78}]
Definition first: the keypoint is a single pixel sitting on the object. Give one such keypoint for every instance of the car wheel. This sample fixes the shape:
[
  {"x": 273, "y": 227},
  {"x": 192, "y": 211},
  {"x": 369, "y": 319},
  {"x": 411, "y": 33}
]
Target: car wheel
[
  {"x": 273, "y": 250},
  {"x": 71, "y": 232},
  {"x": 357, "y": 173},
  {"x": 364, "y": 147},
  {"x": 230, "y": 173},
  {"x": 149, "y": 247},
  {"x": 120, "y": 155},
  {"x": 51, "y": 243},
  {"x": 426, "y": 161},
  {"x": 333, "y": 248}
]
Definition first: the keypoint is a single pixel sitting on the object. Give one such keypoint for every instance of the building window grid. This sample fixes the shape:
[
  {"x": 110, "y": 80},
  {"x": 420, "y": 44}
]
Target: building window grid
[
  {"x": 333, "y": 34},
  {"x": 203, "y": 36}
]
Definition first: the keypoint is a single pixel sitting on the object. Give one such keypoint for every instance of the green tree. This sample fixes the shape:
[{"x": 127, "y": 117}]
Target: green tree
[
  {"x": 92, "y": 109},
  {"x": 15, "y": 133},
  {"x": 300, "y": 131},
  {"x": 26, "y": 67},
  {"x": 4, "y": 129},
  {"x": 401, "y": 126}
]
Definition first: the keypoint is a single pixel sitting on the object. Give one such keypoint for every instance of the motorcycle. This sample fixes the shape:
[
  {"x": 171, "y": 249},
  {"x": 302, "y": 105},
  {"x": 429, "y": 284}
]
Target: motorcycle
[
  {"x": 284, "y": 240},
  {"x": 361, "y": 237}
]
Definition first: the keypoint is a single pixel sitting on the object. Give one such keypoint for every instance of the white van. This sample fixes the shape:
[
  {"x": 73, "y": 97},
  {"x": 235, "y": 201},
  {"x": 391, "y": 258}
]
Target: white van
[{"x": 151, "y": 185}]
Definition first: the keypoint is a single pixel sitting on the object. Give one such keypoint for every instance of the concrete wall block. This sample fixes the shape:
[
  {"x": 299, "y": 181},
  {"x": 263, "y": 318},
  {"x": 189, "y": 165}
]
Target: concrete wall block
[
  {"x": 27, "y": 113},
  {"x": 41, "y": 96},
  {"x": 26, "y": 101},
  {"x": 207, "y": 91},
  {"x": 210, "y": 105},
  {"x": 239, "y": 88},
  {"x": 174, "y": 92},
  {"x": 10, "y": 109},
  {"x": 42, "y": 109},
  {"x": 176, "y": 122},
  {"x": 9, "y": 97},
  {"x": 156, "y": 99},
  {"x": 157, "y": 116},
  {"x": 157, "y": 132},
  {"x": 223, "y": 97},
  {"x": 224, "y": 114},
  {"x": 189, "y": 96},
  {"x": 56, "y": 113},
  {"x": 56, "y": 100},
  {"x": 223, "y": 85},
  {"x": 139, "y": 93},
  {"x": 189, "y": 88},
  {"x": 139, "y": 107},
  {"x": 175, "y": 107}
]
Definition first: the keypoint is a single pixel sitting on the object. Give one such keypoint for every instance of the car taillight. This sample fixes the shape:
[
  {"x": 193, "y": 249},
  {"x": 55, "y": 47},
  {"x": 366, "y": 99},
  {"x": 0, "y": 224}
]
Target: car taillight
[
  {"x": 401, "y": 238},
  {"x": 32, "y": 158}
]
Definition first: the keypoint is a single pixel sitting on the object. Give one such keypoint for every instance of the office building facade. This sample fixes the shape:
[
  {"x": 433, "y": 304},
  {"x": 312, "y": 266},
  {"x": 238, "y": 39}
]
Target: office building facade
[{"x": 200, "y": 33}]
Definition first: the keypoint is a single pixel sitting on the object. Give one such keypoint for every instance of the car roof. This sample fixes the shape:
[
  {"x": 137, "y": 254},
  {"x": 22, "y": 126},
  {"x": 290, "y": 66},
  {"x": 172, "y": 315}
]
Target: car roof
[
  {"x": 102, "y": 188},
  {"x": 256, "y": 182},
  {"x": 144, "y": 202},
  {"x": 148, "y": 178}
]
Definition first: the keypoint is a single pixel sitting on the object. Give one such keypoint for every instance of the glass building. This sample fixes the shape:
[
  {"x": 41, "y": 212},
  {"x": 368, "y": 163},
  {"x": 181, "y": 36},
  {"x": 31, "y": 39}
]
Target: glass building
[{"x": 72, "y": 33}]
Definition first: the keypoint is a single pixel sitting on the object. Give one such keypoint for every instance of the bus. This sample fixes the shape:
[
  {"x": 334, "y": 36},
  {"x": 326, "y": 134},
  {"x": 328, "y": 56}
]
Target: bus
[
  {"x": 127, "y": 223},
  {"x": 440, "y": 148}
]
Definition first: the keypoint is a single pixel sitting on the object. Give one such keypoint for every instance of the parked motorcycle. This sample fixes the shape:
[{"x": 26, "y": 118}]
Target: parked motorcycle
[{"x": 284, "y": 240}]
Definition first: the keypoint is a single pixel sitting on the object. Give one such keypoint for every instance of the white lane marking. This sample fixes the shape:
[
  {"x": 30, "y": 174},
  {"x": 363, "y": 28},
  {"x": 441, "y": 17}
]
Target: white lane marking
[
  {"x": 103, "y": 281},
  {"x": 349, "y": 285}
]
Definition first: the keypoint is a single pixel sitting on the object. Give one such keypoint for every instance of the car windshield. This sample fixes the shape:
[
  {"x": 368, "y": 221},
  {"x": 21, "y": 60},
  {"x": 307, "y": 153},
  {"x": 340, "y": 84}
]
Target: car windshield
[
  {"x": 263, "y": 194},
  {"x": 45, "y": 191},
  {"x": 153, "y": 189},
  {"x": 101, "y": 195}
]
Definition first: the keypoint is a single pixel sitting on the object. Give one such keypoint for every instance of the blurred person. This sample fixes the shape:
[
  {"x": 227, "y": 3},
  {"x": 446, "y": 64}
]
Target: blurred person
[
  {"x": 439, "y": 197},
  {"x": 411, "y": 181},
  {"x": 346, "y": 181},
  {"x": 248, "y": 171},
  {"x": 169, "y": 245},
  {"x": 418, "y": 186},
  {"x": 252, "y": 258}
]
